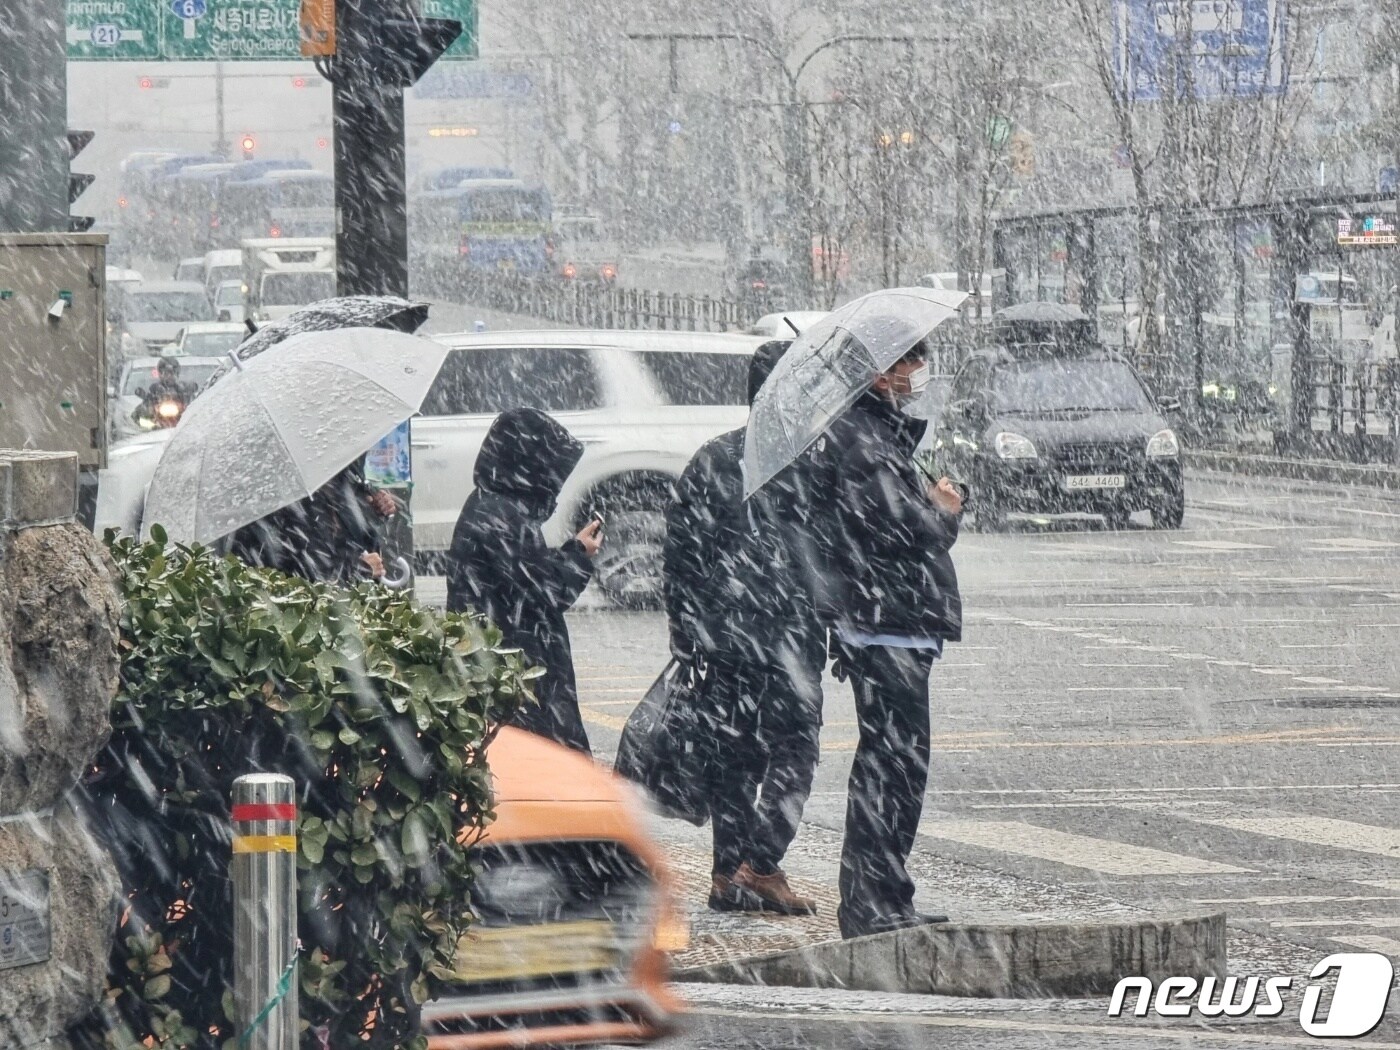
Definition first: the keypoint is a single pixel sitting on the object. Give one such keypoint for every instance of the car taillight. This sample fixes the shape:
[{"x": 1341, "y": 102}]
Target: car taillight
[
  {"x": 759, "y": 285},
  {"x": 570, "y": 271},
  {"x": 274, "y": 231},
  {"x": 609, "y": 271}
]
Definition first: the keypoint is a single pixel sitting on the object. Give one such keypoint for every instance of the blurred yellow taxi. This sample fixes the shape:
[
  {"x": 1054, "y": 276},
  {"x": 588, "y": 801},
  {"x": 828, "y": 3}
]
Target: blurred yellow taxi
[{"x": 575, "y": 913}]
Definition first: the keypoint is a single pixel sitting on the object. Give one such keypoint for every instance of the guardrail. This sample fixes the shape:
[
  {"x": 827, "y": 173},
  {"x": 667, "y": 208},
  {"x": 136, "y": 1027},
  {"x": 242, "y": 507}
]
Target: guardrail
[{"x": 596, "y": 305}]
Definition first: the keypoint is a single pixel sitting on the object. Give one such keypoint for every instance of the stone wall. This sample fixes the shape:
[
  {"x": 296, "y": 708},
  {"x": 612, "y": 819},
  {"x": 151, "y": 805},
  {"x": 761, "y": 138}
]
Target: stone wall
[{"x": 59, "y": 892}]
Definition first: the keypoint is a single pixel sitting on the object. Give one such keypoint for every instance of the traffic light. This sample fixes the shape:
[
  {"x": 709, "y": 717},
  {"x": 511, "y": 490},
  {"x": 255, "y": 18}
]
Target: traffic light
[
  {"x": 77, "y": 142},
  {"x": 249, "y": 144},
  {"x": 152, "y": 83}
]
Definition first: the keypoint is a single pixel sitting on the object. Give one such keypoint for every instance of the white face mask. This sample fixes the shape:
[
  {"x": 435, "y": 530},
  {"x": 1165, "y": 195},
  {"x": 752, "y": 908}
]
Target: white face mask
[{"x": 918, "y": 383}]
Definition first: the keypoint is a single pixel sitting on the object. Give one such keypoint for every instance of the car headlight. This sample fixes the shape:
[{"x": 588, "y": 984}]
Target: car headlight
[
  {"x": 1014, "y": 446},
  {"x": 1163, "y": 445}
]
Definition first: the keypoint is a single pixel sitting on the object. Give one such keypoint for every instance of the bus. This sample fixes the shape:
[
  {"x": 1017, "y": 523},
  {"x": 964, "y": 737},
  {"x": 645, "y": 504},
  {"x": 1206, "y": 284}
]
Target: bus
[
  {"x": 478, "y": 227},
  {"x": 279, "y": 203}
]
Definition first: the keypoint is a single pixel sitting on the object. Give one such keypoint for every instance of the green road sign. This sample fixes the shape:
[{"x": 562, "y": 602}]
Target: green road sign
[{"x": 206, "y": 30}]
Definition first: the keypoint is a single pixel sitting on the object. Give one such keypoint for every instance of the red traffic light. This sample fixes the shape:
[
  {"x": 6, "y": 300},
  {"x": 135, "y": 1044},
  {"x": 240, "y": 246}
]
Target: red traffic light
[
  {"x": 298, "y": 82},
  {"x": 145, "y": 83},
  {"x": 249, "y": 143},
  {"x": 322, "y": 142}
]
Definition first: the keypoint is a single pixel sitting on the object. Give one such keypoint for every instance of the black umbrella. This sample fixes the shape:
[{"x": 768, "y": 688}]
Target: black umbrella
[{"x": 349, "y": 311}]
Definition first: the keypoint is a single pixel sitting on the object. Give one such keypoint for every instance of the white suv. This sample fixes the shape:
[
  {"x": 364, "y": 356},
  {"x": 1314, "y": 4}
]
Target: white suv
[{"x": 641, "y": 402}]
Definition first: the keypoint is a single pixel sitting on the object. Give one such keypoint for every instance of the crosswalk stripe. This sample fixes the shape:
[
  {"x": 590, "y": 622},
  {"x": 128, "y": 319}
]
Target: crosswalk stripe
[
  {"x": 1077, "y": 851},
  {"x": 1384, "y": 945},
  {"x": 1316, "y": 831}
]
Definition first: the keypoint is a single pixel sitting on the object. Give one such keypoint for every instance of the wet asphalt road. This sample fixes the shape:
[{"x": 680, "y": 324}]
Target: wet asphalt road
[{"x": 1137, "y": 721}]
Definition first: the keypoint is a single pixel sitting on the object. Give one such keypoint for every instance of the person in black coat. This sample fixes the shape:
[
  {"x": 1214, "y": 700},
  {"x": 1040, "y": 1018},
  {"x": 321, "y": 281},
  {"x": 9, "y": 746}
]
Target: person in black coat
[
  {"x": 736, "y": 606},
  {"x": 500, "y": 566},
  {"x": 331, "y": 536},
  {"x": 885, "y": 584}
]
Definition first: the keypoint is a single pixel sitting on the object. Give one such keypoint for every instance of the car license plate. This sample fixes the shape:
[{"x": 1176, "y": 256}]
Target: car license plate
[
  {"x": 516, "y": 952},
  {"x": 1077, "y": 482}
]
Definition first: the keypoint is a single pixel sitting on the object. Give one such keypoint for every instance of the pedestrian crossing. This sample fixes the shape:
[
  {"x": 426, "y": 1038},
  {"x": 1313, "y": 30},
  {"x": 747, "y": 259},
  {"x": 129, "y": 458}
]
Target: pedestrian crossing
[
  {"x": 1101, "y": 855},
  {"x": 1293, "y": 874}
]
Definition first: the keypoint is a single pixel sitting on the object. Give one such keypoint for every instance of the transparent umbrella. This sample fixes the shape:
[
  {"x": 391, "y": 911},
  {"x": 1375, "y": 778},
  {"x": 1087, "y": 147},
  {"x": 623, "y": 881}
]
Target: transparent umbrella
[
  {"x": 829, "y": 366},
  {"x": 283, "y": 424}
]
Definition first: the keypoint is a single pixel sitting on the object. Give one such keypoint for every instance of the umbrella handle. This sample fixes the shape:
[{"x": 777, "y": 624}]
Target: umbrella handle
[{"x": 402, "y": 579}]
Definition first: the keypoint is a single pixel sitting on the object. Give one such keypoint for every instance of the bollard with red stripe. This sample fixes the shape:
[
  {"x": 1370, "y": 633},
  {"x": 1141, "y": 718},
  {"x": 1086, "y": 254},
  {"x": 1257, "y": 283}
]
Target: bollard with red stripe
[{"x": 266, "y": 1010}]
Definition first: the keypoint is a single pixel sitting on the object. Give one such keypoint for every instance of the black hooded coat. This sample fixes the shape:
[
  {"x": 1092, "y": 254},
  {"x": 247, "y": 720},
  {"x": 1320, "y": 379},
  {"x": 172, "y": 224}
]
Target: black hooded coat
[
  {"x": 500, "y": 565},
  {"x": 733, "y": 585}
]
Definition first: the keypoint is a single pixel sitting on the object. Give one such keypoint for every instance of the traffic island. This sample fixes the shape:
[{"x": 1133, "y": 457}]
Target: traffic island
[{"x": 1000, "y": 961}]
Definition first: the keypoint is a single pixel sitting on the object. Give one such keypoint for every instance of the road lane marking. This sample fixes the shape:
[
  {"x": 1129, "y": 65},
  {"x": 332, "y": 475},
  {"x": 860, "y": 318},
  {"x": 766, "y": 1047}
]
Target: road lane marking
[
  {"x": 1126, "y": 689},
  {"x": 1223, "y": 545},
  {"x": 1285, "y": 901},
  {"x": 1389, "y": 923},
  {"x": 1384, "y": 945},
  {"x": 1077, "y": 851},
  {"x": 1315, "y": 831}
]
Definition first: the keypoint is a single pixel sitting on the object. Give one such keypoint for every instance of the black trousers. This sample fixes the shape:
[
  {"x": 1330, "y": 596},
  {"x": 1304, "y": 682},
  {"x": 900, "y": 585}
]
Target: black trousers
[
  {"x": 764, "y": 723},
  {"x": 885, "y": 798}
]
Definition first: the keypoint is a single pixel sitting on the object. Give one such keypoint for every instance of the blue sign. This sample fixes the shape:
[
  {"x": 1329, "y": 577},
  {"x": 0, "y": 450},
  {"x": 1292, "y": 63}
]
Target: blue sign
[
  {"x": 446, "y": 81},
  {"x": 1199, "y": 49},
  {"x": 389, "y": 464},
  {"x": 189, "y": 8}
]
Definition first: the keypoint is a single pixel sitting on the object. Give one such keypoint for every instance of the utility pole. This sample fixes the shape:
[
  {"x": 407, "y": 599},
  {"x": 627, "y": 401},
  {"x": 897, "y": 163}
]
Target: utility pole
[
  {"x": 220, "y": 132},
  {"x": 382, "y": 47}
]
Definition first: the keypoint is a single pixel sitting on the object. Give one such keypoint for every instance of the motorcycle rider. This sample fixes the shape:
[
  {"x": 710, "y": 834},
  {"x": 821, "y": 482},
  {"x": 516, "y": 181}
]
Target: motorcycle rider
[{"x": 167, "y": 387}]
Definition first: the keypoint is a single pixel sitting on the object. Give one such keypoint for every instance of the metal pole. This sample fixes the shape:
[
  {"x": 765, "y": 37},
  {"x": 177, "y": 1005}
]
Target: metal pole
[
  {"x": 266, "y": 1010},
  {"x": 220, "y": 136}
]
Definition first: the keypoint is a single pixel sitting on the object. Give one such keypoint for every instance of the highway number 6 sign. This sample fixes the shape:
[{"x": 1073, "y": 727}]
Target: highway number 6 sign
[{"x": 189, "y": 8}]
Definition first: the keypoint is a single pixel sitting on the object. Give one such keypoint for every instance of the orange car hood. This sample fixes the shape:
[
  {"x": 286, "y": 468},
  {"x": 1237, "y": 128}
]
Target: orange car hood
[{"x": 547, "y": 792}]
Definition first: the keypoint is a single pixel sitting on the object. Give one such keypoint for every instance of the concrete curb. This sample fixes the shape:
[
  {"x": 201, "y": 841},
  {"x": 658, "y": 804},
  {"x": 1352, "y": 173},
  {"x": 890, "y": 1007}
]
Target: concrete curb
[
  {"x": 1023, "y": 961},
  {"x": 1297, "y": 469}
]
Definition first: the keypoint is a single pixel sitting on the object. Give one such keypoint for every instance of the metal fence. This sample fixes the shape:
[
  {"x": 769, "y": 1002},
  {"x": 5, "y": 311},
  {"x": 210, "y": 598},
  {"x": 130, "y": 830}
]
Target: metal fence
[{"x": 590, "y": 305}]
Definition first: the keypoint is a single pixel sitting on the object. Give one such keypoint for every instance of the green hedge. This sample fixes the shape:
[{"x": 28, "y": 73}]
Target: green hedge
[{"x": 378, "y": 708}]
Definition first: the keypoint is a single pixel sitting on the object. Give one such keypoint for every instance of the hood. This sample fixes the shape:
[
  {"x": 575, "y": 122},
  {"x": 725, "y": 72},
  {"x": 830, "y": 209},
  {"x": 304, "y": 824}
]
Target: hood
[
  {"x": 526, "y": 454},
  {"x": 1109, "y": 427},
  {"x": 764, "y": 360}
]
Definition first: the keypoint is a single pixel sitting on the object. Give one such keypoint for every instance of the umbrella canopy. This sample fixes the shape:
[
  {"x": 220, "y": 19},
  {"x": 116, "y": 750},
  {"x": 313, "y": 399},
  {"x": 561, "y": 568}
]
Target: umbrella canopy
[
  {"x": 829, "y": 366},
  {"x": 348, "y": 311},
  {"x": 283, "y": 424}
]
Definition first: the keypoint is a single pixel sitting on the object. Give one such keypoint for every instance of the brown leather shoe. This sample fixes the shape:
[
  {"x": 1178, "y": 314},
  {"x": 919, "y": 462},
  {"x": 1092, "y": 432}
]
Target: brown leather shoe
[
  {"x": 773, "y": 892},
  {"x": 726, "y": 895}
]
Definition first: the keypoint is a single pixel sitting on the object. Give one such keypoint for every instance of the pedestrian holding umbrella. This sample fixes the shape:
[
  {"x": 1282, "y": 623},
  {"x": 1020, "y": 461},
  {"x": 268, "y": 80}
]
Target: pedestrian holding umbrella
[
  {"x": 881, "y": 577},
  {"x": 282, "y": 424}
]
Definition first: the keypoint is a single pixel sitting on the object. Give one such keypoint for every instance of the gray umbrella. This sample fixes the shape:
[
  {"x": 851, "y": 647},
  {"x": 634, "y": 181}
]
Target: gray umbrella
[{"x": 347, "y": 311}]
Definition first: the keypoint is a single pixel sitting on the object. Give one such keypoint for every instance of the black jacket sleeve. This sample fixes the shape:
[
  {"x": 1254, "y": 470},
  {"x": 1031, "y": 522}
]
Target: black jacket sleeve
[
  {"x": 692, "y": 542},
  {"x": 500, "y": 560}
]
